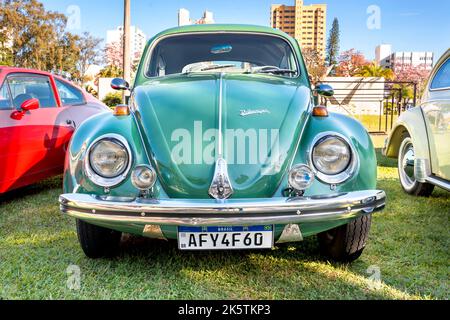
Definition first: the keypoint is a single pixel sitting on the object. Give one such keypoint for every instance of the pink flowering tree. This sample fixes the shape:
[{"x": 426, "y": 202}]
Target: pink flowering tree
[
  {"x": 350, "y": 63},
  {"x": 414, "y": 74}
]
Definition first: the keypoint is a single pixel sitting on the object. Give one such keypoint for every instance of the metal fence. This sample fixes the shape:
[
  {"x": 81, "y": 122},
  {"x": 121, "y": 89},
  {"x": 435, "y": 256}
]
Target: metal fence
[{"x": 389, "y": 96}]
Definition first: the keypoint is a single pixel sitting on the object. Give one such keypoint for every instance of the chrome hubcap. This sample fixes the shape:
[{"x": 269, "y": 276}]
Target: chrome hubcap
[{"x": 407, "y": 165}]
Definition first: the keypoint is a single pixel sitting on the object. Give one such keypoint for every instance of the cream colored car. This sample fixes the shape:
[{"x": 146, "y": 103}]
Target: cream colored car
[{"x": 420, "y": 139}]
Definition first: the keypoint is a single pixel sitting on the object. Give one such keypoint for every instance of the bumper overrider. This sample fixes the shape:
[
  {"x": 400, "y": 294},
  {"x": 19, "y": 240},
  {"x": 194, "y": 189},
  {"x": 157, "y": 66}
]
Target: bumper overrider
[{"x": 232, "y": 212}]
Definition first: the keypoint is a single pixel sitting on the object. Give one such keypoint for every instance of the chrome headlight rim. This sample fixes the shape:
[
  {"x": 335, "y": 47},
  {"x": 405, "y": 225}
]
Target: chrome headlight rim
[
  {"x": 98, "y": 179},
  {"x": 339, "y": 178}
]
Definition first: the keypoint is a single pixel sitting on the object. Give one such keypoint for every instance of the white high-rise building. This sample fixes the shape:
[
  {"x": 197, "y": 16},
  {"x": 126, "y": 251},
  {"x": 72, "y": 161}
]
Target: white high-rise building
[
  {"x": 382, "y": 54},
  {"x": 397, "y": 60},
  {"x": 137, "y": 41},
  {"x": 184, "y": 17},
  {"x": 185, "y": 20}
]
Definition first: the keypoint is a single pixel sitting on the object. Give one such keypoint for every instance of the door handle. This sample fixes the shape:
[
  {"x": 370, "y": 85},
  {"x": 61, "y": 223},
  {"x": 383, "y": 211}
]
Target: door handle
[{"x": 71, "y": 123}]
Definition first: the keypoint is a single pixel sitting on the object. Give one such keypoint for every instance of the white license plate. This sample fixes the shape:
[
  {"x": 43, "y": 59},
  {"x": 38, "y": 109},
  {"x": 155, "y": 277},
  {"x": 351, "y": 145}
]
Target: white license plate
[{"x": 223, "y": 238}]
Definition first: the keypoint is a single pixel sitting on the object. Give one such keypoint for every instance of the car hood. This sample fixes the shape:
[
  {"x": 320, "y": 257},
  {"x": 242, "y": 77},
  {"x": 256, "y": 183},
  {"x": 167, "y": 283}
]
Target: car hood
[{"x": 261, "y": 118}]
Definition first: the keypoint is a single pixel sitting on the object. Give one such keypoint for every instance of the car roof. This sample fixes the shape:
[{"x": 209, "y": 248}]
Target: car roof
[
  {"x": 15, "y": 69},
  {"x": 35, "y": 71},
  {"x": 224, "y": 28}
]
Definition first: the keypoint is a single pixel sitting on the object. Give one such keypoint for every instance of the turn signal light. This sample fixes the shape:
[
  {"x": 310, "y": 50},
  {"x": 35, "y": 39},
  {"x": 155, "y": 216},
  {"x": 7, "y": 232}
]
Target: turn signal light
[
  {"x": 320, "y": 111},
  {"x": 121, "y": 110}
]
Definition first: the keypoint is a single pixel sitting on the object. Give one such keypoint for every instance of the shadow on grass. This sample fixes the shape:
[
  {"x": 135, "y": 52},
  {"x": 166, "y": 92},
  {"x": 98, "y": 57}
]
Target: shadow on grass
[
  {"x": 384, "y": 161},
  {"x": 32, "y": 190}
]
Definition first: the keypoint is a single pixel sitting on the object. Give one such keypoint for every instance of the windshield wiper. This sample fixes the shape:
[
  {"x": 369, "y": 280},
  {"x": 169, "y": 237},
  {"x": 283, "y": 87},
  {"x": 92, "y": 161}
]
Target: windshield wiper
[
  {"x": 274, "y": 70},
  {"x": 214, "y": 67}
]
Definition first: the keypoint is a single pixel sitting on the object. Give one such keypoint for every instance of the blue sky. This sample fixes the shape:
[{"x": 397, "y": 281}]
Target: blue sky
[{"x": 409, "y": 25}]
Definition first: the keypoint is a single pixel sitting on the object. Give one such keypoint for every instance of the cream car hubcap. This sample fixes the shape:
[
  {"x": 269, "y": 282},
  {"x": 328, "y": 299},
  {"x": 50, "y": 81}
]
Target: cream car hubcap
[{"x": 406, "y": 165}]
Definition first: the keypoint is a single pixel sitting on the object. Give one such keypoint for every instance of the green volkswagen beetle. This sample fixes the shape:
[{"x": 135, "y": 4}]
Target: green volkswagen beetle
[{"x": 222, "y": 146}]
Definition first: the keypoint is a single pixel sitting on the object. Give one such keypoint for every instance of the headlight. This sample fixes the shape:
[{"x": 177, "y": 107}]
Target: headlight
[
  {"x": 143, "y": 177},
  {"x": 331, "y": 155},
  {"x": 333, "y": 158},
  {"x": 108, "y": 158}
]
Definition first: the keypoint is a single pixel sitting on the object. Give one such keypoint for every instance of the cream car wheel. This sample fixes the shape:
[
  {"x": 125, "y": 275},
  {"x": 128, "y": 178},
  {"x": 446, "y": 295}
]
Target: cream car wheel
[{"x": 406, "y": 159}]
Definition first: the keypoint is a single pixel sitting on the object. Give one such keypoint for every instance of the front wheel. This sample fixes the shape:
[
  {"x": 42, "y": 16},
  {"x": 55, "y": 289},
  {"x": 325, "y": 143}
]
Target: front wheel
[
  {"x": 347, "y": 242},
  {"x": 406, "y": 162},
  {"x": 97, "y": 242}
]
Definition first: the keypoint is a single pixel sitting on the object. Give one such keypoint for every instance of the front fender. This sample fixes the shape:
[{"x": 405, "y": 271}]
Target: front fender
[
  {"x": 365, "y": 177},
  {"x": 75, "y": 180},
  {"x": 411, "y": 122}
]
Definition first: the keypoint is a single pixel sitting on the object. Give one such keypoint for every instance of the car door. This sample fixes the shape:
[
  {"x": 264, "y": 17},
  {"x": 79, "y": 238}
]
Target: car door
[
  {"x": 75, "y": 101},
  {"x": 33, "y": 147},
  {"x": 436, "y": 109}
]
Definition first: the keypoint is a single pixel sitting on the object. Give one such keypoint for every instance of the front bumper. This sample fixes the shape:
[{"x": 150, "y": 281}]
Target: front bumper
[{"x": 232, "y": 212}]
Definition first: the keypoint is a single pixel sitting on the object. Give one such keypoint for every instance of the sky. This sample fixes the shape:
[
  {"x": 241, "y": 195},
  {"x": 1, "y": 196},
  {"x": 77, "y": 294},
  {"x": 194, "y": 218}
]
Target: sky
[{"x": 409, "y": 25}]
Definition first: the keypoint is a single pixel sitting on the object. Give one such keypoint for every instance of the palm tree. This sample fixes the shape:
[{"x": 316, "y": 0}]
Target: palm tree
[{"x": 375, "y": 70}]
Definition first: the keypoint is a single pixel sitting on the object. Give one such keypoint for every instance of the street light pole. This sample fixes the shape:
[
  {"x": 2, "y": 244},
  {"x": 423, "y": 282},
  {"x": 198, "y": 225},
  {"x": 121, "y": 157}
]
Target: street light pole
[{"x": 126, "y": 44}]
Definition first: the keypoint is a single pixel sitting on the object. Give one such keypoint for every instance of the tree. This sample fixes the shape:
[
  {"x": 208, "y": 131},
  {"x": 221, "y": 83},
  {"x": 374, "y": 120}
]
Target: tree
[
  {"x": 315, "y": 64},
  {"x": 39, "y": 40},
  {"x": 112, "y": 99},
  {"x": 110, "y": 71},
  {"x": 6, "y": 56},
  {"x": 114, "y": 56},
  {"x": 33, "y": 32},
  {"x": 88, "y": 46},
  {"x": 350, "y": 63},
  {"x": 414, "y": 74},
  {"x": 375, "y": 70},
  {"x": 333, "y": 44}
]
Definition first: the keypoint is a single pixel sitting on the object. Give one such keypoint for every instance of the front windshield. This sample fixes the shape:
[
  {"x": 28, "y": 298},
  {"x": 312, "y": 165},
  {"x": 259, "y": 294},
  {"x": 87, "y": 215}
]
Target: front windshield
[{"x": 233, "y": 53}]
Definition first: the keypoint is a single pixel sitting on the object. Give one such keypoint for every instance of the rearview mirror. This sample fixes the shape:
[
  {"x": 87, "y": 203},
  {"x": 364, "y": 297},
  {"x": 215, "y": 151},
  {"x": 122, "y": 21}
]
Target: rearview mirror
[
  {"x": 30, "y": 104},
  {"x": 324, "y": 90},
  {"x": 119, "y": 84}
]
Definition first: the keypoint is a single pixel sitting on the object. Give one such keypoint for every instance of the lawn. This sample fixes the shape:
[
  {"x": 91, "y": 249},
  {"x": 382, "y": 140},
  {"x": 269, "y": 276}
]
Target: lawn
[
  {"x": 408, "y": 244},
  {"x": 373, "y": 123}
]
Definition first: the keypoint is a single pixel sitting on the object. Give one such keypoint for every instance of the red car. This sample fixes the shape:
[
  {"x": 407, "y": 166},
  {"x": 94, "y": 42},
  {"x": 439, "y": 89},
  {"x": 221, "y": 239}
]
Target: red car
[{"x": 38, "y": 115}]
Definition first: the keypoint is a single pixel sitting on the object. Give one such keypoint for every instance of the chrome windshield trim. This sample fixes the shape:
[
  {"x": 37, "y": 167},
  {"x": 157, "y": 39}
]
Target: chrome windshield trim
[
  {"x": 156, "y": 41},
  {"x": 202, "y": 212}
]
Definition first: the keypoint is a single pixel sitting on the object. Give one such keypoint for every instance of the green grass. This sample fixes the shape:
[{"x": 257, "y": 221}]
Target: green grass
[
  {"x": 372, "y": 122},
  {"x": 409, "y": 243}
]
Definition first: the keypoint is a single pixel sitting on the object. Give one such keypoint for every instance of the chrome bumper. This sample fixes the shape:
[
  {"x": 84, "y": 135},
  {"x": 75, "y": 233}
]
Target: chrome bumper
[{"x": 233, "y": 212}]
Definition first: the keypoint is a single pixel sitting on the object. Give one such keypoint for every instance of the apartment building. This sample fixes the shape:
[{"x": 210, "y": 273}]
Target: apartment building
[
  {"x": 306, "y": 23},
  {"x": 398, "y": 60}
]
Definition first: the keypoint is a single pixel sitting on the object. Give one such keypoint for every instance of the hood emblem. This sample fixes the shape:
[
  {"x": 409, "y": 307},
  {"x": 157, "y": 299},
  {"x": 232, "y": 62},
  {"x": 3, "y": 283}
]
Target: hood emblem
[
  {"x": 249, "y": 112},
  {"x": 221, "y": 187}
]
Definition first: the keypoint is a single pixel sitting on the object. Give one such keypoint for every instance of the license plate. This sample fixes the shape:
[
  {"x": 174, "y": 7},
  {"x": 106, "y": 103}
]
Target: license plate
[{"x": 223, "y": 238}]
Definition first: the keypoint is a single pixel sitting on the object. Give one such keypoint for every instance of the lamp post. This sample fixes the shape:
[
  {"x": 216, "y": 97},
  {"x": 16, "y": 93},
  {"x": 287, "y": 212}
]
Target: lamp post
[{"x": 126, "y": 44}]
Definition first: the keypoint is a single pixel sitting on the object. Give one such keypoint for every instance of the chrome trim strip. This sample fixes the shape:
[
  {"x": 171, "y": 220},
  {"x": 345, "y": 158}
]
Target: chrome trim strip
[
  {"x": 438, "y": 182},
  {"x": 220, "y": 137},
  {"x": 204, "y": 212}
]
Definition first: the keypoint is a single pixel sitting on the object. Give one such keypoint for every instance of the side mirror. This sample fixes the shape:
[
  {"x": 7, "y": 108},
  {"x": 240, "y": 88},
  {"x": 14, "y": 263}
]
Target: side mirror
[
  {"x": 324, "y": 90},
  {"x": 31, "y": 104},
  {"x": 119, "y": 84},
  {"x": 27, "y": 105}
]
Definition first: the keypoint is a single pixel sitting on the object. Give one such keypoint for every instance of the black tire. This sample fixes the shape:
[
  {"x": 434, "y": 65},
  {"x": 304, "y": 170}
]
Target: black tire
[
  {"x": 406, "y": 172},
  {"x": 347, "y": 242},
  {"x": 97, "y": 242}
]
